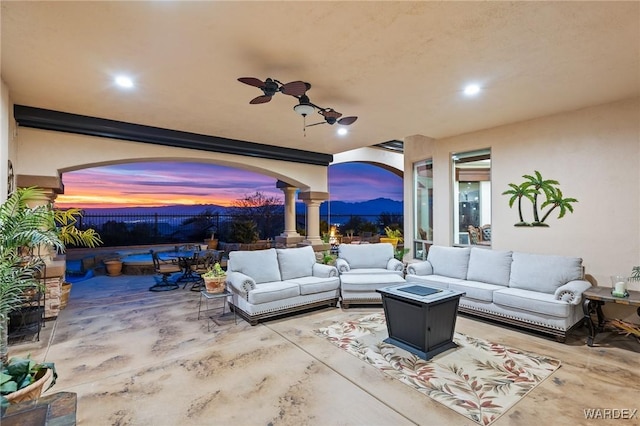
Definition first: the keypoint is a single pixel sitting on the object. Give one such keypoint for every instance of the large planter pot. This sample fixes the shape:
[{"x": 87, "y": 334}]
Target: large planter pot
[
  {"x": 64, "y": 296},
  {"x": 212, "y": 244},
  {"x": 214, "y": 284},
  {"x": 33, "y": 391},
  {"x": 392, "y": 241},
  {"x": 114, "y": 267}
]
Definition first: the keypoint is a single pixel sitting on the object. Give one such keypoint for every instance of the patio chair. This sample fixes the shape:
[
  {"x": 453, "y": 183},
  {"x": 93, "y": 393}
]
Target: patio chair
[
  {"x": 164, "y": 268},
  {"x": 207, "y": 260},
  {"x": 202, "y": 263}
]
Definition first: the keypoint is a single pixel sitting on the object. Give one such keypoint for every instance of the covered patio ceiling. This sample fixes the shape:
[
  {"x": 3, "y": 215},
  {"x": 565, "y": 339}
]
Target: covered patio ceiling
[{"x": 399, "y": 66}]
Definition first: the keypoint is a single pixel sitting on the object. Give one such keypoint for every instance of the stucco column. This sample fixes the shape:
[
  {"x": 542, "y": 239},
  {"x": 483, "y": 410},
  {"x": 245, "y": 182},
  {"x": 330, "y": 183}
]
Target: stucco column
[
  {"x": 289, "y": 209},
  {"x": 313, "y": 200},
  {"x": 52, "y": 186}
]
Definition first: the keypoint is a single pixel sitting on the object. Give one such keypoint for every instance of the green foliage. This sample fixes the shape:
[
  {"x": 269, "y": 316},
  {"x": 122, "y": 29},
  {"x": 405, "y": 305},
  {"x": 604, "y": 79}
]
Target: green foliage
[
  {"x": 19, "y": 373},
  {"x": 66, "y": 223},
  {"x": 244, "y": 231},
  {"x": 399, "y": 253},
  {"x": 328, "y": 258},
  {"x": 215, "y": 271},
  {"x": 204, "y": 225},
  {"x": 369, "y": 227},
  {"x": 394, "y": 233},
  {"x": 23, "y": 231},
  {"x": 358, "y": 225},
  {"x": 635, "y": 273},
  {"x": 22, "y": 228},
  {"x": 265, "y": 212},
  {"x": 390, "y": 219}
]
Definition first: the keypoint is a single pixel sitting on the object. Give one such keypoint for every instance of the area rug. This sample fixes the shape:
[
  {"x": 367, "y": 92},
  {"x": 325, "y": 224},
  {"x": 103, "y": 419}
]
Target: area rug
[{"x": 479, "y": 379}]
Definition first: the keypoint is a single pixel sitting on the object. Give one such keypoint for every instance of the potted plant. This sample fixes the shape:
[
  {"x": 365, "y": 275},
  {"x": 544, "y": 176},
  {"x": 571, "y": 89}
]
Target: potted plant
[
  {"x": 214, "y": 279},
  {"x": 212, "y": 243},
  {"x": 326, "y": 258},
  {"x": 393, "y": 236},
  {"x": 23, "y": 379},
  {"x": 399, "y": 253},
  {"x": 114, "y": 266},
  {"x": 23, "y": 230}
]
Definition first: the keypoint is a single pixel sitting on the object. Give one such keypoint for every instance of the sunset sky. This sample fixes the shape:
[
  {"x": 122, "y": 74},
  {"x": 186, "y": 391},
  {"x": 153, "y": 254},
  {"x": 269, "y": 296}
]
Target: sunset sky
[{"x": 163, "y": 183}]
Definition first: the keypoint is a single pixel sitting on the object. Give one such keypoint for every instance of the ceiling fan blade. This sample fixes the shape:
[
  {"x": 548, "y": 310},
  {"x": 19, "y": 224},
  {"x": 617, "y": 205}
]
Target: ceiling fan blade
[
  {"x": 330, "y": 113},
  {"x": 260, "y": 100},
  {"x": 315, "y": 124},
  {"x": 347, "y": 120},
  {"x": 295, "y": 88},
  {"x": 251, "y": 81}
]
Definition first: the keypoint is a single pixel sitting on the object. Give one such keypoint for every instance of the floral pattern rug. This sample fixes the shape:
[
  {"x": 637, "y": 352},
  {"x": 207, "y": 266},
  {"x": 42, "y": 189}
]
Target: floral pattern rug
[{"x": 479, "y": 379}]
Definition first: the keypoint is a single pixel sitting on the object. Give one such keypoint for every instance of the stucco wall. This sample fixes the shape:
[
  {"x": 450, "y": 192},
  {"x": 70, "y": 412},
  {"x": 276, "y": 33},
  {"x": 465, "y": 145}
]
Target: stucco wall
[
  {"x": 4, "y": 138},
  {"x": 595, "y": 155},
  {"x": 388, "y": 160},
  {"x": 48, "y": 153}
]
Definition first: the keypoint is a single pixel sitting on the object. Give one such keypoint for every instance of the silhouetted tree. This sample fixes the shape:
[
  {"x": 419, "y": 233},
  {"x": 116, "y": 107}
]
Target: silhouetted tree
[
  {"x": 203, "y": 225},
  {"x": 266, "y": 212},
  {"x": 114, "y": 233}
]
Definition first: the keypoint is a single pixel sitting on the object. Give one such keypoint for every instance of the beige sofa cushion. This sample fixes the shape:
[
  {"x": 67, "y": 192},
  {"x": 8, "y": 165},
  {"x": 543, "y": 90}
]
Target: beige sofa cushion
[
  {"x": 366, "y": 255},
  {"x": 543, "y": 273},
  {"x": 489, "y": 266},
  {"x": 261, "y": 265},
  {"x": 449, "y": 261},
  {"x": 296, "y": 262}
]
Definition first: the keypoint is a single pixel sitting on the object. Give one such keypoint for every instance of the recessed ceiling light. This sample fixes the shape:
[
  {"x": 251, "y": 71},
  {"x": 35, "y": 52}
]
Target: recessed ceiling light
[
  {"x": 342, "y": 131},
  {"x": 471, "y": 90},
  {"x": 124, "y": 81}
]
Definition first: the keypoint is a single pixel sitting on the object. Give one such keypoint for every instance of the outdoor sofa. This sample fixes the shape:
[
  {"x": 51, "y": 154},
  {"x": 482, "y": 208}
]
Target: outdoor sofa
[
  {"x": 540, "y": 292},
  {"x": 272, "y": 282},
  {"x": 363, "y": 269}
]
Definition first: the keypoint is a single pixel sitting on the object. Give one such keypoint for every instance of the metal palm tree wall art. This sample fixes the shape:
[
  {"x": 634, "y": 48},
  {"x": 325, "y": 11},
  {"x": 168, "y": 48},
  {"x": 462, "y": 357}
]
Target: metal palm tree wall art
[{"x": 531, "y": 189}]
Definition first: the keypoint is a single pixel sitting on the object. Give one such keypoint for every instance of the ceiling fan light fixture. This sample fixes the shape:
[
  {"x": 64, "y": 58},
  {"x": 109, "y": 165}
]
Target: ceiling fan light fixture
[{"x": 304, "y": 109}]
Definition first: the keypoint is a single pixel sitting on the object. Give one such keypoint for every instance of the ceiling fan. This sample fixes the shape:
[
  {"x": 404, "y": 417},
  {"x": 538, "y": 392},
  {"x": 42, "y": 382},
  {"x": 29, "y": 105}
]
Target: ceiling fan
[
  {"x": 271, "y": 86},
  {"x": 331, "y": 116},
  {"x": 297, "y": 89}
]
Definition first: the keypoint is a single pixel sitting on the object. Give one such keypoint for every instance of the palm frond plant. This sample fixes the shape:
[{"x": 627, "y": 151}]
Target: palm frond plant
[
  {"x": 21, "y": 229},
  {"x": 394, "y": 233},
  {"x": 25, "y": 229},
  {"x": 635, "y": 273}
]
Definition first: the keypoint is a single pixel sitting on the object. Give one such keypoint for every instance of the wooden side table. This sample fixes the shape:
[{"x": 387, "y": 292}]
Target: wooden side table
[{"x": 594, "y": 298}]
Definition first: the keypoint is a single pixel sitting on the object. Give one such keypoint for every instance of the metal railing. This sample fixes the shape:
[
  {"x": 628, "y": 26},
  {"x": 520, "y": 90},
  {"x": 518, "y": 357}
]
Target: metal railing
[{"x": 161, "y": 228}]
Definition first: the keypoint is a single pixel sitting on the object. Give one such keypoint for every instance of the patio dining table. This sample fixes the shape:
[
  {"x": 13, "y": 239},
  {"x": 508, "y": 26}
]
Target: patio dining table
[{"x": 186, "y": 259}]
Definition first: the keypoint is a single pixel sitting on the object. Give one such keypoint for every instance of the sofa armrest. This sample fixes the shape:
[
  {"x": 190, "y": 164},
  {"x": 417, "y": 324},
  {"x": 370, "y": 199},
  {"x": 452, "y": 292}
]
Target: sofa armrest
[
  {"x": 342, "y": 265},
  {"x": 572, "y": 291},
  {"x": 324, "y": 271},
  {"x": 240, "y": 283},
  {"x": 395, "y": 265},
  {"x": 420, "y": 268}
]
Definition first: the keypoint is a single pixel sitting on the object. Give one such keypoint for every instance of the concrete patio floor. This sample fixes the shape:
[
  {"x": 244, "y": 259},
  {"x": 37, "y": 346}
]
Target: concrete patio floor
[{"x": 136, "y": 357}]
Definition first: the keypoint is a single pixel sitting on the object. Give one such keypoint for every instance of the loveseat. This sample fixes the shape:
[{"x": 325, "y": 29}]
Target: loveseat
[
  {"x": 267, "y": 283},
  {"x": 363, "y": 269},
  {"x": 540, "y": 292}
]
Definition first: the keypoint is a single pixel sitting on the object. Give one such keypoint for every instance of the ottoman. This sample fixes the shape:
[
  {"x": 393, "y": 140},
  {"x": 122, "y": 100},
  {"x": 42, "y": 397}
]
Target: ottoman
[{"x": 361, "y": 288}]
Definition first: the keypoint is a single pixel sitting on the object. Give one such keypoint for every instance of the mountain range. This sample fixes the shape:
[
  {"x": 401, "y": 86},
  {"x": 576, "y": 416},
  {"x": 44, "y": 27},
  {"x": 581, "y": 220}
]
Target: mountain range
[{"x": 369, "y": 207}]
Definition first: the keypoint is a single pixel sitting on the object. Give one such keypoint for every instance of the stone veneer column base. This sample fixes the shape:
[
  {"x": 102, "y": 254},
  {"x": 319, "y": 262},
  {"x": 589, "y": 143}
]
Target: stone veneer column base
[
  {"x": 288, "y": 241},
  {"x": 316, "y": 247}
]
